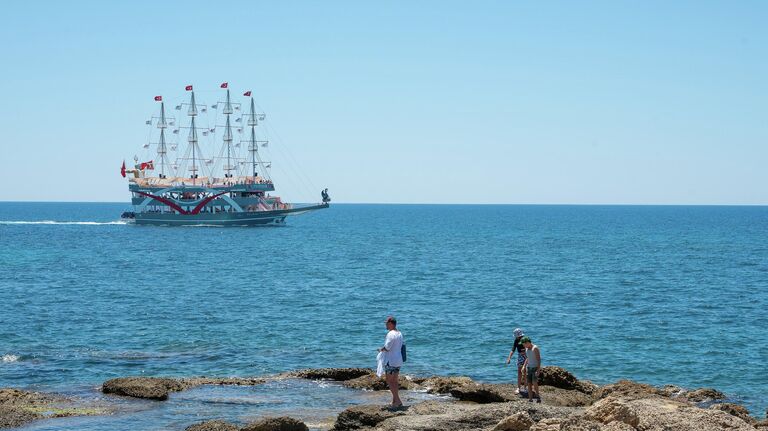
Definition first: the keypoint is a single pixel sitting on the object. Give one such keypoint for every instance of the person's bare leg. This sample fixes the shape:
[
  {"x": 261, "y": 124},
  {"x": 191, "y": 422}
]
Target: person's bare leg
[
  {"x": 519, "y": 377},
  {"x": 530, "y": 389},
  {"x": 536, "y": 388},
  {"x": 394, "y": 387}
]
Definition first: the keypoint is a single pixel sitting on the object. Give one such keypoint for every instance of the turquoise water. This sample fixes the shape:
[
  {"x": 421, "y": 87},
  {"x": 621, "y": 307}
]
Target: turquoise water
[{"x": 658, "y": 294}]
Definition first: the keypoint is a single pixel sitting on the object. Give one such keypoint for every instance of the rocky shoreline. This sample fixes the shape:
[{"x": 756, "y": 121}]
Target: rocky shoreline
[
  {"x": 568, "y": 404},
  {"x": 19, "y": 407}
]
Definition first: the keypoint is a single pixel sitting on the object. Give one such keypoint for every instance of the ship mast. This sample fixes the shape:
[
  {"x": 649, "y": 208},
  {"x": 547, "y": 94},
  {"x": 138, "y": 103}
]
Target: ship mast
[
  {"x": 192, "y": 138},
  {"x": 228, "y": 135},
  {"x": 253, "y": 147},
  {"x": 162, "y": 151}
]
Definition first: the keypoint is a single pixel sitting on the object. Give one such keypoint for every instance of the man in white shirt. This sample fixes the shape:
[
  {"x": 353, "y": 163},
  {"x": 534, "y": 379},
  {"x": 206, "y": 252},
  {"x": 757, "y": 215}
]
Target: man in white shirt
[{"x": 393, "y": 345}]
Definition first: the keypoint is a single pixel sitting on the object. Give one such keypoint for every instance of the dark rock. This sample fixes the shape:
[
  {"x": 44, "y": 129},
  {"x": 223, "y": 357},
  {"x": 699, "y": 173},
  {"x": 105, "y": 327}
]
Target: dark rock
[
  {"x": 369, "y": 382},
  {"x": 18, "y": 407},
  {"x": 561, "y": 378},
  {"x": 633, "y": 390},
  {"x": 484, "y": 393},
  {"x": 374, "y": 383},
  {"x": 215, "y": 425},
  {"x": 564, "y": 398},
  {"x": 558, "y": 377},
  {"x": 158, "y": 388},
  {"x": 736, "y": 410},
  {"x": 363, "y": 416},
  {"x": 283, "y": 423},
  {"x": 11, "y": 396},
  {"x": 672, "y": 391},
  {"x": 337, "y": 374},
  {"x": 153, "y": 388},
  {"x": 703, "y": 394},
  {"x": 442, "y": 385},
  {"x": 627, "y": 389},
  {"x": 587, "y": 387},
  {"x": 221, "y": 381},
  {"x": 16, "y": 416}
]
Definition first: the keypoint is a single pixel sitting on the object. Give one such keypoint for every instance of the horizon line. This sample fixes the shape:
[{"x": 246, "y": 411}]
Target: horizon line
[{"x": 463, "y": 204}]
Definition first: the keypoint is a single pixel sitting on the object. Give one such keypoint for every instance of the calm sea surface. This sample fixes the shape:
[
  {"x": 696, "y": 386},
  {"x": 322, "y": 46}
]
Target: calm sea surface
[{"x": 658, "y": 294}]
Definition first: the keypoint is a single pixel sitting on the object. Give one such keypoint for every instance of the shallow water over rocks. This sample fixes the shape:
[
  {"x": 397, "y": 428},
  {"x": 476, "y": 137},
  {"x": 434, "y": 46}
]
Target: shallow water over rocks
[{"x": 317, "y": 403}]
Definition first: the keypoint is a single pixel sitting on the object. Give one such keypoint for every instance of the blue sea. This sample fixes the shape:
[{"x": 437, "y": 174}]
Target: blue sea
[{"x": 660, "y": 294}]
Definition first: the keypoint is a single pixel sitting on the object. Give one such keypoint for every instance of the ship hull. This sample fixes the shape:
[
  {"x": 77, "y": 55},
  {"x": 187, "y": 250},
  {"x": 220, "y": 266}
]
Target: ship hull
[{"x": 246, "y": 218}]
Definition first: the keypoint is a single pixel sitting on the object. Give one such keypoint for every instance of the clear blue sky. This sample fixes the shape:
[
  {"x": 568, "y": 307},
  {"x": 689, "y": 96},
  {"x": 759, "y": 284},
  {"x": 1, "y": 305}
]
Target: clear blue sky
[{"x": 466, "y": 102}]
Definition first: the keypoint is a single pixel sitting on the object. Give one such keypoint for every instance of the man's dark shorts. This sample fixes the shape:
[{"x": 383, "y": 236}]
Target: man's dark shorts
[{"x": 532, "y": 377}]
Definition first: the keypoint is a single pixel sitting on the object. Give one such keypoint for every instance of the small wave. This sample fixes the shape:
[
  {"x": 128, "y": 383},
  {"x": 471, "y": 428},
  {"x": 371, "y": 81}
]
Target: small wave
[
  {"x": 9, "y": 358},
  {"x": 53, "y": 222}
]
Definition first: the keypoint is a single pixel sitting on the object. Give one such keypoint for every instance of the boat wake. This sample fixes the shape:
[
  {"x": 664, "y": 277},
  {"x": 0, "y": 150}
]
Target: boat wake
[
  {"x": 53, "y": 222},
  {"x": 9, "y": 358}
]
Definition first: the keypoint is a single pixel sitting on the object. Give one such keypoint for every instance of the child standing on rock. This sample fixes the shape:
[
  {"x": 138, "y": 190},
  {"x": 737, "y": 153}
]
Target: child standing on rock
[
  {"x": 518, "y": 346},
  {"x": 533, "y": 368}
]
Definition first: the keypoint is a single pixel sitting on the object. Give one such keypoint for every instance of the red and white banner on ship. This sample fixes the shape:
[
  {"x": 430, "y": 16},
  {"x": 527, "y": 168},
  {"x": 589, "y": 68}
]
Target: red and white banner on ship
[{"x": 143, "y": 166}]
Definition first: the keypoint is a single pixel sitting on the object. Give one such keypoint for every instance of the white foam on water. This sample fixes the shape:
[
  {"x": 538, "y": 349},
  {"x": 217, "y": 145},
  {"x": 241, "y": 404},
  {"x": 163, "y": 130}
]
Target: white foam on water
[
  {"x": 53, "y": 222},
  {"x": 9, "y": 358}
]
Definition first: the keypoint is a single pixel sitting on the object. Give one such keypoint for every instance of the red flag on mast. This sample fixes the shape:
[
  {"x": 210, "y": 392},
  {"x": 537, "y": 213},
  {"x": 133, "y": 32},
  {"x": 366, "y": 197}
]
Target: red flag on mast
[
  {"x": 247, "y": 93},
  {"x": 188, "y": 88},
  {"x": 224, "y": 85},
  {"x": 122, "y": 169},
  {"x": 158, "y": 98}
]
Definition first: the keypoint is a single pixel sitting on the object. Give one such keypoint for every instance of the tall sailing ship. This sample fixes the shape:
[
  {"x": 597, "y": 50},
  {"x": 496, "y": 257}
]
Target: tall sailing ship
[{"x": 232, "y": 189}]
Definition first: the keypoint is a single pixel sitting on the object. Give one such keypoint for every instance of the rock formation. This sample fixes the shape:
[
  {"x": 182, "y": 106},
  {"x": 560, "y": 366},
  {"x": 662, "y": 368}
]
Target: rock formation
[
  {"x": 337, "y": 374},
  {"x": 568, "y": 404},
  {"x": 283, "y": 423},
  {"x": 158, "y": 388},
  {"x": 18, "y": 407}
]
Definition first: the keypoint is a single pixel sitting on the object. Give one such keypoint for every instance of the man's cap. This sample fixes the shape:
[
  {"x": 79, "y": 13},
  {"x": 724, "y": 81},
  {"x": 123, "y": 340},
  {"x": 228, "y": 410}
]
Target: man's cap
[
  {"x": 518, "y": 332},
  {"x": 525, "y": 340},
  {"x": 391, "y": 319}
]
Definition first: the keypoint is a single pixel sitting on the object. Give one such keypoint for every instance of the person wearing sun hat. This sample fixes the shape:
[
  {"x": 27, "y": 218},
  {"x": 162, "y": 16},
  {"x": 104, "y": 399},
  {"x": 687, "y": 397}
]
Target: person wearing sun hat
[
  {"x": 517, "y": 346},
  {"x": 532, "y": 368}
]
